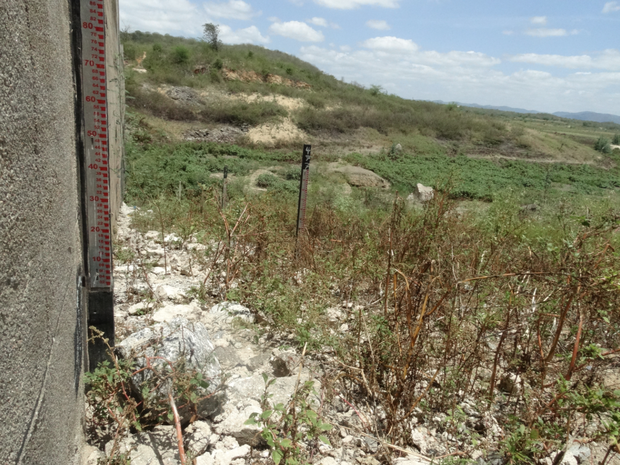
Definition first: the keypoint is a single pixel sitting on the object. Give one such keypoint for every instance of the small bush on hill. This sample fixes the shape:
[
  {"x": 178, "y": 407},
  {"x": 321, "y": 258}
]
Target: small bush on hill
[
  {"x": 602, "y": 145},
  {"x": 180, "y": 55}
]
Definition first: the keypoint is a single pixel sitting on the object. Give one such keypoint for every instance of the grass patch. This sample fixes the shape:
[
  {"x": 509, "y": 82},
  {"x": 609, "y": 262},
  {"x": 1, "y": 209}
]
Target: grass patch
[{"x": 483, "y": 179}]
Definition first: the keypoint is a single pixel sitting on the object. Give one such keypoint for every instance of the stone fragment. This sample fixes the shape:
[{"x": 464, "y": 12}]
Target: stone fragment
[
  {"x": 138, "y": 308},
  {"x": 232, "y": 423},
  {"x": 284, "y": 364},
  {"x": 327, "y": 461},
  {"x": 510, "y": 384},
  {"x": 226, "y": 312},
  {"x": 172, "y": 342},
  {"x": 257, "y": 361},
  {"x": 170, "y": 312},
  {"x": 158, "y": 446},
  {"x": 197, "y": 436},
  {"x": 424, "y": 193},
  {"x": 580, "y": 452},
  {"x": 166, "y": 292}
]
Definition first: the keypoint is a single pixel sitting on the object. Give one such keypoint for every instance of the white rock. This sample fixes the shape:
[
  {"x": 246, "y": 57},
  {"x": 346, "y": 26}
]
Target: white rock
[
  {"x": 173, "y": 342},
  {"x": 151, "y": 235},
  {"x": 227, "y": 311},
  {"x": 166, "y": 292},
  {"x": 127, "y": 210},
  {"x": 170, "y": 312},
  {"x": 123, "y": 268},
  {"x": 232, "y": 423},
  {"x": 327, "y": 461},
  {"x": 580, "y": 452},
  {"x": 568, "y": 459},
  {"x": 197, "y": 435},
  {"x": 226, "y": 443},
  {"x": 412, "y": 460},
  {"x": 423, "y": 193},
  {"x": 206, "y": 459},
  {"x": 158, "y": 270},
  {"x": 137, "y": 308},
  {"x": 219, "y": 457},
  {"x": 335, "y": 314},
  {"x": 172, "y": 238},
  {"x": 94, "y": 457},
  {"x": 158, "y": 446}
]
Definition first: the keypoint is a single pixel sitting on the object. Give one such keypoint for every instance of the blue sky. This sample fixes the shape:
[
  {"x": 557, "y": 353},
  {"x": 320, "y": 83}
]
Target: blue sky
[{"x": 546, "y": 55}]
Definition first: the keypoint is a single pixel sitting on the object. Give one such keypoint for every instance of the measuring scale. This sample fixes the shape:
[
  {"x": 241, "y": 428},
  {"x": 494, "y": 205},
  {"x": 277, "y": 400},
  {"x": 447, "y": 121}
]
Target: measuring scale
[{"x": 96, "y": 149}]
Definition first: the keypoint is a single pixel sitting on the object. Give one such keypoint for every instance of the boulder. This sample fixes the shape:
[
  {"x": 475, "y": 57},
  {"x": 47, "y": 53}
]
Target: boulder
[
  {"x": 424, "y": 193},
  {"x": 172, "y": 342}
]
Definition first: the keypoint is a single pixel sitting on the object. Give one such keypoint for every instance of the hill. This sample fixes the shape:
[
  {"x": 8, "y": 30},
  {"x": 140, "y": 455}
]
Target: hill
[
  {"x": 581, "y": 116},
  {"x": 591, "y": 116},
  {"x": 269, "y": 103}
]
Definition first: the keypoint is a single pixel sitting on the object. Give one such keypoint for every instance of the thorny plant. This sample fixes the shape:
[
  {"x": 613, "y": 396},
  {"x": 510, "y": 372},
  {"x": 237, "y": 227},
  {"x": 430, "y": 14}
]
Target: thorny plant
[
  {"x": 442, "y": 307},
  {"x": 119, "y": 407}
]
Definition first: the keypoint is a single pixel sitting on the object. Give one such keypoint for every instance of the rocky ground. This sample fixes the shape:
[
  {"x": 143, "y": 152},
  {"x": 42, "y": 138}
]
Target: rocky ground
[{"x": 157, "y": 311}]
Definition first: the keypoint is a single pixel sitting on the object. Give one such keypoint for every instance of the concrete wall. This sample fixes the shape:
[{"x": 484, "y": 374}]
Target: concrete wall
[{"x": 42, "y": 305}]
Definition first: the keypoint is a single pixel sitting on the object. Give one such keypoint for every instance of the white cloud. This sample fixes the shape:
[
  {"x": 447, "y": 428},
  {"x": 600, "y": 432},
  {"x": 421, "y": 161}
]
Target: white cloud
[
  {"x": 318, "y": 22},
  {"x": 273, "y": 19},
  {"x": 508, "y": 33},
  {"x": 543, "y": 32},
  {"x": 610, "y": 7},
  {"x": 249, "y": 35},
  {"x": 180, "y": 17},
  {"x": 539, "y": 20},
  {"x": 607, "y": 60},
  {"x": 345, "y": 48},
  {"x": 469, "y": 77},
  {"x": 378, "y": 24},
  {"x": 298, "y": 31},
  {"x": 233, "y": 9},
  {"x": 391, "y": 44},
  {"x": 352, "y": 4}
]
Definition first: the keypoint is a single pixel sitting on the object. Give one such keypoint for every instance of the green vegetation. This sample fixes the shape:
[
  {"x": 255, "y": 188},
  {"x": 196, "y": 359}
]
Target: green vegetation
[
  {"x": 603, "y": 145},
  {"x": 483, "y": 179},
  {"x": 285, "y": 428}
]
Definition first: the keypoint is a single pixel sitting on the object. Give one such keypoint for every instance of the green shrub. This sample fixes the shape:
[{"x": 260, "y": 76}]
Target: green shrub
[
  {"x": 616, "y": 140},
  {"x": 602, "y": 145},
  {"x": 242, "y": 113},
  {"x": 129, "y": 52},
  {"x": 180, "y": 55},
  {"x": 267, "y": 180}
]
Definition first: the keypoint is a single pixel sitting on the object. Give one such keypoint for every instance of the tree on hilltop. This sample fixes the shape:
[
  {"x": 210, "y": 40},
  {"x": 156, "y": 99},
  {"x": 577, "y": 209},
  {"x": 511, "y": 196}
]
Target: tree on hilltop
[{"x": 212, "y": 35}]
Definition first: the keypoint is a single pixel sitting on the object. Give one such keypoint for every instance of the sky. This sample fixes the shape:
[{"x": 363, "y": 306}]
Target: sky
[{"x": 544, "y": 55}]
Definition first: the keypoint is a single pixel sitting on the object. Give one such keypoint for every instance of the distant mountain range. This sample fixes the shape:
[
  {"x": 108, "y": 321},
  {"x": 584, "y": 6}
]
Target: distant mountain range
[
  {"x": 582, "y": 116},
  {"x": 590, "y": 116}
]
